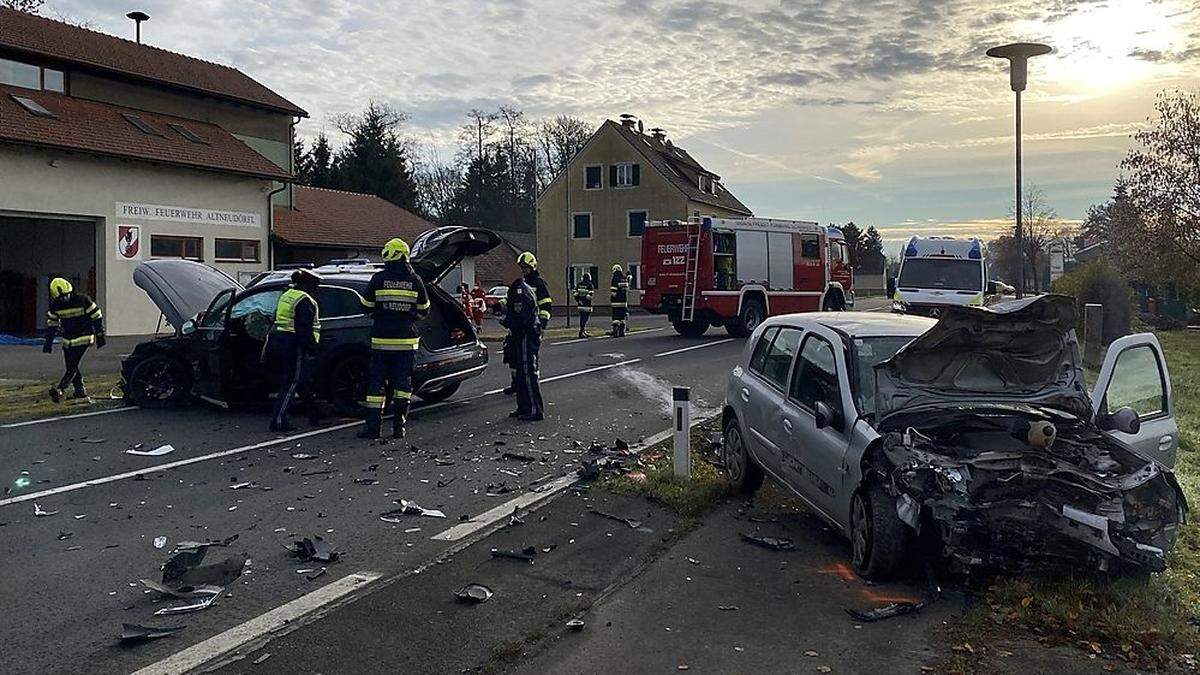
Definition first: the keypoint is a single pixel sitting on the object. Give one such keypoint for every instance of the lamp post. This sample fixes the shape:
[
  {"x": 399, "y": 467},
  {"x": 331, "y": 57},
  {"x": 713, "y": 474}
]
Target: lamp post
[
  {"x": 138, "y": 18},
  {"x": 1018, "y": 55}
]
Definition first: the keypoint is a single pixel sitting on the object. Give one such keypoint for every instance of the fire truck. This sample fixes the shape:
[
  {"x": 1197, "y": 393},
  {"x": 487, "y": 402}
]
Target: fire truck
[{"x": 736, "y": 273}]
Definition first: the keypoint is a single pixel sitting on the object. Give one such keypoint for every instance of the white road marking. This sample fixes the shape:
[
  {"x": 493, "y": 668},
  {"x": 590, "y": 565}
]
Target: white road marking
[
  {"x": 45, "y": 420},
  {"x": 564, "y": 376},
  {"x": 264, "y": 624},
  {"x": 699, "y": 346}
]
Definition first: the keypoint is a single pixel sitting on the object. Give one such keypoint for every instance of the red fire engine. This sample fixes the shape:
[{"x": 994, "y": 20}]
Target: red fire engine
[{"x": 735, "y": 273}]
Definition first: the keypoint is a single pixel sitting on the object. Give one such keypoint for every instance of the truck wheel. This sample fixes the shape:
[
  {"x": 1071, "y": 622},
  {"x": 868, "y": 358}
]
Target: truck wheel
[
  {"x": 158, "y": 382},
  {"x": 835, "y": 301},
  {"x": 692, "y": 329},
  {"x": 439, "y": 394},
  {"x": 745, "y": 476},
  {"x": 752, "y": 314},
  {"x": 879, "y": 540},
  {"x": 347, "y": 384}
]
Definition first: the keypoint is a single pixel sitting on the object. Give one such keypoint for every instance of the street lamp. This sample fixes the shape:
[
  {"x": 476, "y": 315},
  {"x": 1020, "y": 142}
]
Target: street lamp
[{"x": 1018, "y": 55}]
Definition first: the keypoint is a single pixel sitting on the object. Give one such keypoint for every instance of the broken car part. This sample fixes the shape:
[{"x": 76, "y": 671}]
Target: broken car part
[
  {"x": 620, "y": 519},
  {"x": 200, "y": 601},
  {"x": 133, "y": 633},
  {"x": 773, "y": 543},
  {"x": 157, "y": 452},
  {"x": 314, "y": 549},
  {"x": 474, "y": 593},
  {"x": 886, "y": 612}
]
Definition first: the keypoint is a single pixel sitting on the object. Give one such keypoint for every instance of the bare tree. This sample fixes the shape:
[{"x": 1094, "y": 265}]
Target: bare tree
[
  {"x": 29, "y": 6},
  {"x": 1041, "y": 225},
  {"x": 437, "y": 186},
  {"x": 558, "y": 139}
]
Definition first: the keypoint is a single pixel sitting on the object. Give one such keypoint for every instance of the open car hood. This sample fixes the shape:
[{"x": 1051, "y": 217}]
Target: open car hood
[
  {"x": 181, "y": 288},
  {"x": 1023, "y": 351},
  {"x": 435, "y": 252}
]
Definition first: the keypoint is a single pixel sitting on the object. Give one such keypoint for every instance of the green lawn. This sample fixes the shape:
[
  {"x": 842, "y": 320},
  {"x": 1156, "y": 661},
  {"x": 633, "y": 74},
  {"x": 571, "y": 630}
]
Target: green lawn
[{"x": 19, "y": 402}]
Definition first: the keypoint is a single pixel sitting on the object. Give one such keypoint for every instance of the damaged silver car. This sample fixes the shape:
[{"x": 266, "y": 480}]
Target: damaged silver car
[{"x": 973, "y": 437}]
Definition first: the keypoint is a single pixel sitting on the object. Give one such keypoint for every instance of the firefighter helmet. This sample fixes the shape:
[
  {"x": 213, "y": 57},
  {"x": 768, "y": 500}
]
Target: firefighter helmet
[
  {"x": 617, "y": 267},
  {"x": 59, "y": 287},
  {"x": 395, "y": 249},
  {"x": 527, "y": 258}
]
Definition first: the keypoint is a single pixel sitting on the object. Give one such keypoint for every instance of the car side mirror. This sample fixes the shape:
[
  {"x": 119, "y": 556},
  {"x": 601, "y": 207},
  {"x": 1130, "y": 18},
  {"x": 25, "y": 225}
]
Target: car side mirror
[
  {"x": 992, "y": 288},
  {"x": 823, "y": 415},
  {"x": 1125, "y": 420},
  {"x": 891, "y": 287},
  {"x": 188, "y": 327}
]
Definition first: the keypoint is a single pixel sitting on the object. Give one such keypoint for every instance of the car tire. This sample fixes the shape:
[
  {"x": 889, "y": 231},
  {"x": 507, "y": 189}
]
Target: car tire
[
  {"x": 346, "y": 385},
  {"x": 691, "y": 329},
  {"x": 879, "y": 540},
  {"x": 745, "y": 476},
  {"x": 439, "y": 394},
  {"x": 159, "y": 381},
  {"x": 835, "y": 301},
  {"x": 752, "y": 314}
]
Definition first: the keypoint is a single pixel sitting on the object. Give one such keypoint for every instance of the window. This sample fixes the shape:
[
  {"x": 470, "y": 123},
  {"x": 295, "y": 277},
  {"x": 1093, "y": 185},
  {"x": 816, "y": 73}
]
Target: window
[
  {"x": 704, "y": 183},
  {"x": 53, "y": 80},
  {"x": 635, "y": 274},
  {"x": 625, "y": 175},
  {"x": 188, "y": 134},
  {"x": 816, "y": 378},
  {"x": 637, "y": 223},
  {"x": 582, "y": 226},
  {"x": 244, "y": 250},
  {"x": 592, "y": 177},
  {"x": 759, "y": 357},
  {"x": 577, "y": 272},
  {"x": 1137, "y": 383},
  {"x": 810, "y": 246},
  {"x": 141, "y": 124},
  {"x": 336, "y": 301},
  {"x": 33, "y": 107},
  {"x": 837, "y": 251},
  {"x": 777, "y": 359},
  {"x": 257, "y": 303},
  {"x": 167, "y": 246},
  {"x": 20, "y": 74}
]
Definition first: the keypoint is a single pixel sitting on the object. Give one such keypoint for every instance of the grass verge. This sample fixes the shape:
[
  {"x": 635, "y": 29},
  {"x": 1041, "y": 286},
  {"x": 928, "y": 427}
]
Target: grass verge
[
  {"x": 689, "y": 497},
  {"x": 1147, "y": 622},
  {"x": 20, "y": 402}
]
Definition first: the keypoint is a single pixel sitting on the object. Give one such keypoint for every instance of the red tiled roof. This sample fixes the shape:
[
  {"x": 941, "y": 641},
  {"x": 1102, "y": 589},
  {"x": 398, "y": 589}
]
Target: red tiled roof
[
  {"x": 322, "y": 217},
  {"x": 99, "y": 129},
  {"x": 38, "y": 35},
  {"x": 497, "y": 266}
]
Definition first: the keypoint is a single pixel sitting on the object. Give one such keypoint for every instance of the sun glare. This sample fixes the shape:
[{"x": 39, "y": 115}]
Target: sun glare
[{"x": 1095, "y": 45}]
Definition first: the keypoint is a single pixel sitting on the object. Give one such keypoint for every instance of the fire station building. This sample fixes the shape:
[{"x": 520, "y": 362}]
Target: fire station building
[{"x": 113, "y": 152}]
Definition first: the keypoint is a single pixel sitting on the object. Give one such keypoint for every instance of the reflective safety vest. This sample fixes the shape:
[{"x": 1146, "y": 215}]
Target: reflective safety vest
[
  {"x": 583, "y": 296},
  {"x": 285, "y": 312}
]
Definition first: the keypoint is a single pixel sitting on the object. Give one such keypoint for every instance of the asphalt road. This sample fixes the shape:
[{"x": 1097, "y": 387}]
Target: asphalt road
[{"x": 65, "y": 605}]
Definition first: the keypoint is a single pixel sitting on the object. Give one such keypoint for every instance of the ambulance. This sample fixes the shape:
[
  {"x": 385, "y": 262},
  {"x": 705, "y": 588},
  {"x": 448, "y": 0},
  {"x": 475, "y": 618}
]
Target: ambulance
[{"x": 938, "y": 272}]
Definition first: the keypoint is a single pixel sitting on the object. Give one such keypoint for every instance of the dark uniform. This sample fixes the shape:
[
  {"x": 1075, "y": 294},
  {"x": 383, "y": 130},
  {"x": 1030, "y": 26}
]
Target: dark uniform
[
  {"x": 80, "y": 322},
  {"x": 294, "y": 338},
  {"x": 583, "y": 299},
  {"x": 525, "y": 328},
  {"x": 396, "y": 298},
  {"x": 619, "y": 290}
]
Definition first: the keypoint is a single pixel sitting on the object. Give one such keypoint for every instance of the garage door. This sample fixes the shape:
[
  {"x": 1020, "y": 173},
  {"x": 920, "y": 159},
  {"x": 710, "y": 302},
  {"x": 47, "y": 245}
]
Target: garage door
[{"x": 34, "y": 250}]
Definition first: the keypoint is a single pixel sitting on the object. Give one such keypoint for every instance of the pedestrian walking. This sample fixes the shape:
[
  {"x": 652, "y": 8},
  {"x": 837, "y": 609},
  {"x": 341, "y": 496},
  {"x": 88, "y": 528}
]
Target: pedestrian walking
[
  {"x": 584, "y": 291},
  {"x": 619, "y": 300},
  {"x": 293, "y": 340},
  {"x": 527, "y": 312},
  {"x": 397, "y": 300},
  {"x": 81, "y": 323}
]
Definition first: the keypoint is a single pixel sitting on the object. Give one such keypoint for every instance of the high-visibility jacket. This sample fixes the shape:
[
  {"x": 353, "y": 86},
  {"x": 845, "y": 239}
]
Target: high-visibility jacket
[
  {"x": 76, "y": 317},
  {"x": 619, "y": 290},
  {"x": 583, "y": 295},
  {"x": 396, "y": 298},
  {"x": 538, "y": 284},
  {"x": 298, "y": 314}
]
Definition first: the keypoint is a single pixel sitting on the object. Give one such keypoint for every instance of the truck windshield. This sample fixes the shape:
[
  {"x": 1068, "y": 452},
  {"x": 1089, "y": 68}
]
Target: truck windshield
[{"x": 942, "y": 273}]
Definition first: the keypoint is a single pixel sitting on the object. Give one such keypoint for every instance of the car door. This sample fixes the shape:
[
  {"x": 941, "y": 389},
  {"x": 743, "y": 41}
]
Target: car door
[
  {"x": 813, "y": 455},
  {"x": 343, "y": 317},
  {"x": 763, "y": 389},
  {"x": 244, "y": 376},
  {"x": 1134, "y": 375}
]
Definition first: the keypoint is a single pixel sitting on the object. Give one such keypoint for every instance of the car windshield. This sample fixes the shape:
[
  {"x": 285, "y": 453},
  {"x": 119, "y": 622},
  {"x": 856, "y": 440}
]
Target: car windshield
[
  {"x": 868, "y": 353},
  {"x": 942, "y": 273}
]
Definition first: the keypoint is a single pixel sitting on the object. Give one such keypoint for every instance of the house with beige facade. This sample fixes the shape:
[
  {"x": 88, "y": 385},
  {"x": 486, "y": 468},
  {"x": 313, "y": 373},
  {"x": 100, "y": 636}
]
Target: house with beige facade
[{"x": 593, "y": 213}]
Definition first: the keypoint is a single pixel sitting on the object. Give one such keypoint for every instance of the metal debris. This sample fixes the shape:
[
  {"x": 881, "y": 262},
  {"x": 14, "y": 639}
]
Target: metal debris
[
  {"x": 526, "y": 554},
  {"x": 773, "y": 543},
  {"x": 517, "y": 456},
  {"x": 620, "y": 519},
  {"x": 409, "y": 508},
  {"x": 314, "y": 549},
  {"x": 157, "y": 452},
  {"x": 575, "y": 624},
  {"x": 886, "y": 611},
  {"x": 302, "y": 455},
  {"x": 39, "y": 511},
  {"x": 183, "y": 592},
  {"x": 474, "y": 593},
  {"x": 132, "y": 633},
  {"x": 201, "y": 600},
  {"x": 262, "y": 658}
]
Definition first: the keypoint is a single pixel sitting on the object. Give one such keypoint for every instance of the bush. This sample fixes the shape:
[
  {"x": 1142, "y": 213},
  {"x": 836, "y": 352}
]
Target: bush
[{"x": 1097, "y": 281}]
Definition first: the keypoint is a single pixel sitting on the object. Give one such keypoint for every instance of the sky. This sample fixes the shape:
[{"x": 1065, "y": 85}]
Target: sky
[{"x": 884, "y": 112}]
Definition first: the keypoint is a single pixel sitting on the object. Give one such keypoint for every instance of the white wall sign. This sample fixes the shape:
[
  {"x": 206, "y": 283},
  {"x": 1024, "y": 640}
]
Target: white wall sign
[
  {"x": 129, "y": 242},
  {"x": 183, "y": 214}
]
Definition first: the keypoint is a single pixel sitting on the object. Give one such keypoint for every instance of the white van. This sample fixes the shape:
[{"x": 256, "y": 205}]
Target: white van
[{"x": 936, "y": 272}]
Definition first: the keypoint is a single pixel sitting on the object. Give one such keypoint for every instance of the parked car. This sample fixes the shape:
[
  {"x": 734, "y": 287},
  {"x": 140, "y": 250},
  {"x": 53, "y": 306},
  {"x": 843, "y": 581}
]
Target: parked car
[
  {"x": 493, "y": 296},
  {"x": 215, "y": 353},
  {"x": 973, "y": 436}
]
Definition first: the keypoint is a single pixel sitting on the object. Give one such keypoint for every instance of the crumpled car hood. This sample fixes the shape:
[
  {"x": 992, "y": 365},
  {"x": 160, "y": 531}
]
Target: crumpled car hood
[
  {"x": 181, "y": 288},
  {"x": 1023, "y": 351}
]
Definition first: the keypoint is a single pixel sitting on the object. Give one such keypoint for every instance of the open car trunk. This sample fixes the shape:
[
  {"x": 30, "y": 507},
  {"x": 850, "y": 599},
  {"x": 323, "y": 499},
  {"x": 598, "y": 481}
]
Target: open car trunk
[{"x": 447, "y": 324}]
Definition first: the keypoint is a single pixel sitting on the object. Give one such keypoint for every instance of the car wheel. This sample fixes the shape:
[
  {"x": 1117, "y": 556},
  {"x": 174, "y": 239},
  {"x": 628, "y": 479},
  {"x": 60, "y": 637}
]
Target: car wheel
[
  {"x": 879, "y": 540},
  {"x": 752, "y": 314},
  {"x": 835, "y": 301},
  {"x": 745, "y": 476},
  {"x": 159, "y": 382},
  {"x": 347, "y": 384},
  {"x": 439, "y": 394},
  {"x": 692, "y": 329}
]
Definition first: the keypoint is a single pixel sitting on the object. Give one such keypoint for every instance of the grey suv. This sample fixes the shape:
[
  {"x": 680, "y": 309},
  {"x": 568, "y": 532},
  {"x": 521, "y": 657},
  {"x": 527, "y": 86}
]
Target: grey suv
[{"x": 973, "y": 437}]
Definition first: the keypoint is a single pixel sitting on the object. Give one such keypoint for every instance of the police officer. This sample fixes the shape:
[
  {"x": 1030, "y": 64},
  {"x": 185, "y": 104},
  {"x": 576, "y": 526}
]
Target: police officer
[
  {"x": 583, "y": 300},
  {"x": 527, "y": 312},
  {"x": 619, "y": 300},
  {"x": 81, "y": 323},
  {"x": 396, "y": 299},
  {"x": 295, "y": 337}
]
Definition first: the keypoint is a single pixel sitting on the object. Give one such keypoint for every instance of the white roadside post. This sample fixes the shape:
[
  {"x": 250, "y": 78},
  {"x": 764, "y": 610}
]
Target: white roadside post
[{"x": 683, "y": 432}]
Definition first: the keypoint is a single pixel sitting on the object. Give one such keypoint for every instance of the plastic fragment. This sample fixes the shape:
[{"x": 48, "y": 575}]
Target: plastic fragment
[{"x": 156, "y": 452}]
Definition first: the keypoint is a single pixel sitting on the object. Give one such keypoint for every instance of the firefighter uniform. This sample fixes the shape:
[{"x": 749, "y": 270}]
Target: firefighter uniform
[
  {"x": 396, "y": 299},
  {"x": 619, "y": 290},
  {"x": 294, "y": 338},
  {"x": 81, "y": 324},
  {"x": 583, "y": 300},
  {"x": 527, "y": 311}
]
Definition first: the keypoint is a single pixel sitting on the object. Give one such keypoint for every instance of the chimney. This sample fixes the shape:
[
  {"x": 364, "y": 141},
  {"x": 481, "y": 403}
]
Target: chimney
[
  {"x": 628, "y": 121},
  {"x": 659, "y": 134}
]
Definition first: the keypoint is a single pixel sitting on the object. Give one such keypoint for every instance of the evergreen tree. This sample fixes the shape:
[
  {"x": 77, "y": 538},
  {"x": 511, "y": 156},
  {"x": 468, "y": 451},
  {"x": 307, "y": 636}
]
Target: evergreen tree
[
  {"x": 854, "y": 242},
  {"x": 318, "y": 164},
  {"x": 375, "y": 159},
  {"x": 873, "y": 258}
]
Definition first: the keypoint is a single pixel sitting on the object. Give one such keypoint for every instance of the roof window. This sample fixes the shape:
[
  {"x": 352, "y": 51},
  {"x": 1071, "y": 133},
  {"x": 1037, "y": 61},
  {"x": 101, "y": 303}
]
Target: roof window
[
  {"x": 141, "y": 124},
  {"x": 32, "y": 107},
  {"x": 187, "y": 133}
]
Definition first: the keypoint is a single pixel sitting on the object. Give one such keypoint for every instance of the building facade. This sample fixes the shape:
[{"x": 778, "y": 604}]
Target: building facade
[
  {"x": 592, "y": 214},
  {"x": 113, "y": 152}
]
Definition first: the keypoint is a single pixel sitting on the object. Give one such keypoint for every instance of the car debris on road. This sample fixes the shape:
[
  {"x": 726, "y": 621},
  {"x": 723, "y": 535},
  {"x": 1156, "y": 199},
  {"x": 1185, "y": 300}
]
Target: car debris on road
[
  {"x": 886, "y": 612},
  {"x": 132, "y": 633},
  {"x": 474, "y": 593},
  {"x": 156, "y": 452},
  {"x": 773, "y": 543},
  {"x": 316, "y": 548}
]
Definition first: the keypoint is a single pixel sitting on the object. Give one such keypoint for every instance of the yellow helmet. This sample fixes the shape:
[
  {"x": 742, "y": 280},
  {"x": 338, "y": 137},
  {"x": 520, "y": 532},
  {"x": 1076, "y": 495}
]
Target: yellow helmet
[
  {"x": 59, "y": 287},
  {"x": 527, "y": 258},
  {"x": 395, "y": 249},
  {"x": 617, "y": 267}
]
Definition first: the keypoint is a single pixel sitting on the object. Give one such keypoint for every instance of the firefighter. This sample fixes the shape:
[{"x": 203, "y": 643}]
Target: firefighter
[
  {"x": 294, "y": 338},
  {"x": 396, "y": 299},
  {"x": 583, "y": 299},
  {"x": 527, "y": 312},
  {"x": 81, "y": 323},
  {"x": 619, "y": 291}
]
